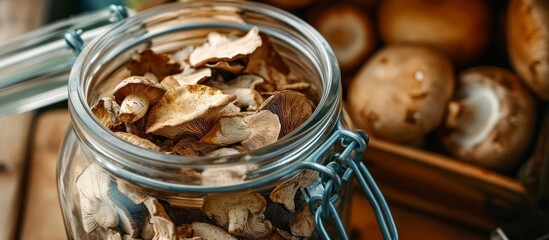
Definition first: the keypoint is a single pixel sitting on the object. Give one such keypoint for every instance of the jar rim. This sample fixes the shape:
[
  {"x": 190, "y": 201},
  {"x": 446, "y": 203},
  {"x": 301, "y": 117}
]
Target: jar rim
[{"x": 84, "y": 122}]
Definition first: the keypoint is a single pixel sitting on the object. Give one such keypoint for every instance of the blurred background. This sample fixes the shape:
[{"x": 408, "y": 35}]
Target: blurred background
[{"x": 437, "y": 186}]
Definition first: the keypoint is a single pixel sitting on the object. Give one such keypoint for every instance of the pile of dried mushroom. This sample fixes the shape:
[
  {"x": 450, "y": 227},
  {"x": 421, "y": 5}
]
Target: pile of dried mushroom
[{"x": 231, "y": 94}]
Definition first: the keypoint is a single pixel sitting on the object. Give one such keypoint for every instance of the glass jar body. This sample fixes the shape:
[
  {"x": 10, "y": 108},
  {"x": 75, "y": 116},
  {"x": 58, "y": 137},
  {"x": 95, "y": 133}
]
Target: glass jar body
[
  {"x": 182, "y": 208},
  {"x": 111, "y": 189}
]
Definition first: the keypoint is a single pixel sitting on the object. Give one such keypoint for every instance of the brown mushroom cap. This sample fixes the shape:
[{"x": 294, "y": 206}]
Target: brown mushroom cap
[
  {"x": 135, "y": 94},
  {"x": 265, "y": 129},
  {"x": 401, "y": 93},
  {"x": 189, "y": 109},
  {"x": 458, "y": 28},
  {"x": 141, "y": 86},
  {"x": 528, "y": 43},
  {"x": 490, "y": 119},
  {"x": 292, "y": 109},
  {"x": 349, "y": 31}
]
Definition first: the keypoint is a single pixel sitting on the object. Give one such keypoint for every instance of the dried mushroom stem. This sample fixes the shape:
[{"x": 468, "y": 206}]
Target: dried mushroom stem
[
  {"x": 241, "y": 214},
  {"x": 133, "y": 108},
  {"x": 135, "y": 94}
]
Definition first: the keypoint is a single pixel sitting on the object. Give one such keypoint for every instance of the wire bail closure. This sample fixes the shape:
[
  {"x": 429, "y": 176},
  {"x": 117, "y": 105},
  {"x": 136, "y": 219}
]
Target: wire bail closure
[
  {"x": 340, "y": 168},
  {"x": 73, "y": 37}
]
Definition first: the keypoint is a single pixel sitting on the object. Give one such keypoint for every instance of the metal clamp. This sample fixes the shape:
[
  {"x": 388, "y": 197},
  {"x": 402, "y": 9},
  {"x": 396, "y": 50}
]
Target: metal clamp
[
  {"x": 74, "y": 39},
  {"x": 340, "y": 168}
]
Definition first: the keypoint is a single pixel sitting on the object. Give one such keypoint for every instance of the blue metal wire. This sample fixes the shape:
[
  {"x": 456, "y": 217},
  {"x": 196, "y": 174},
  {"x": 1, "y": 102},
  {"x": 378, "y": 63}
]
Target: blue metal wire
[{"x": 348, "y": 164}]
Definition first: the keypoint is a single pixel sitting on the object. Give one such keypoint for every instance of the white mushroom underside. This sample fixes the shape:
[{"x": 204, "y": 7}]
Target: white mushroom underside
[{"x": 480, "y": 112}]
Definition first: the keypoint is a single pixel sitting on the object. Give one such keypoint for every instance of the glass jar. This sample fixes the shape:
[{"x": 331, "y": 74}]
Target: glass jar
[{"x": 110, "y": 188}]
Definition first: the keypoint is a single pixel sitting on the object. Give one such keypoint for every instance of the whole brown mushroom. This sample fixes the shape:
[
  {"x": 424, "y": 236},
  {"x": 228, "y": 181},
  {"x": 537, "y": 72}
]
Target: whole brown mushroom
[
  {"x": 456, "y": 27},
  {"x": 490, "y": 120},
  {"x": 528, "y": 43},
  {"x": 400, "y": 94},
  {"x": 349, "y": 31}
]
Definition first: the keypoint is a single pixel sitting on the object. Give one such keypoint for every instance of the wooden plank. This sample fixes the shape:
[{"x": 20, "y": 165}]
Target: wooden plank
[
  {"x": 14, "y": 132},
  {"x": 42, "y": 214},
  {"x": 19, "y": 16},
  {"x": 16, "y": 17},
  {"x": 410, "y": 224},
  {"x": 442, "y": 186}
]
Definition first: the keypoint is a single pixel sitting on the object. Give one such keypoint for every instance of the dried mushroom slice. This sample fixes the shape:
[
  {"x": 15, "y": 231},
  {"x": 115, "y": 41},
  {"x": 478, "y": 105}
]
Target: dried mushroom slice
[
  {"x": 243, "y": 87},
  {"x": 285, "y": 192},
  {"x": 266, "y": 128},
  {"x": 190, "y": 146},
  {"x": 235, "y": 67},
  {"x": 170, "y": 82},
  {"x": 266, "y": 56},
  {"x": 96, "y": 207},
  {"x": 163, "y": 226},
  {"x": 210, "y": 232},
  {"x": 131, "y": 192},
  {"x": 246, "y": 98},
  {"x": 242, "y": 81},
  {"x": 190, "y": 109},
  {"x": 106, "y": 110},
  {"x": 102, "y": 205},
  {"x": 135, "y": 94},
  {"x": 222, "y": 176},
  {"x": 241, "y": 214},
  {"x": 194, "y": 76},
  {"x": 228, "y": 130},
  {"x": 223, "y": 152},
  {"x": 149, "y": 61},
  {"x": 292, "y": 109},
  {"x": 133, "y": 139},
  {"x": 131, "y": 215},
  {"x": 182, "y": 57},
  {"x": 217, "y": 51},
  {"x": 229, "y": 110},
  {"x": 302, "y": 223}
]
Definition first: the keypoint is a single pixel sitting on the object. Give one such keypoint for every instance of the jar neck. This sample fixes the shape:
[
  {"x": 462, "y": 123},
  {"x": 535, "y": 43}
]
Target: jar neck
[{"x": 300, "y": 45}]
